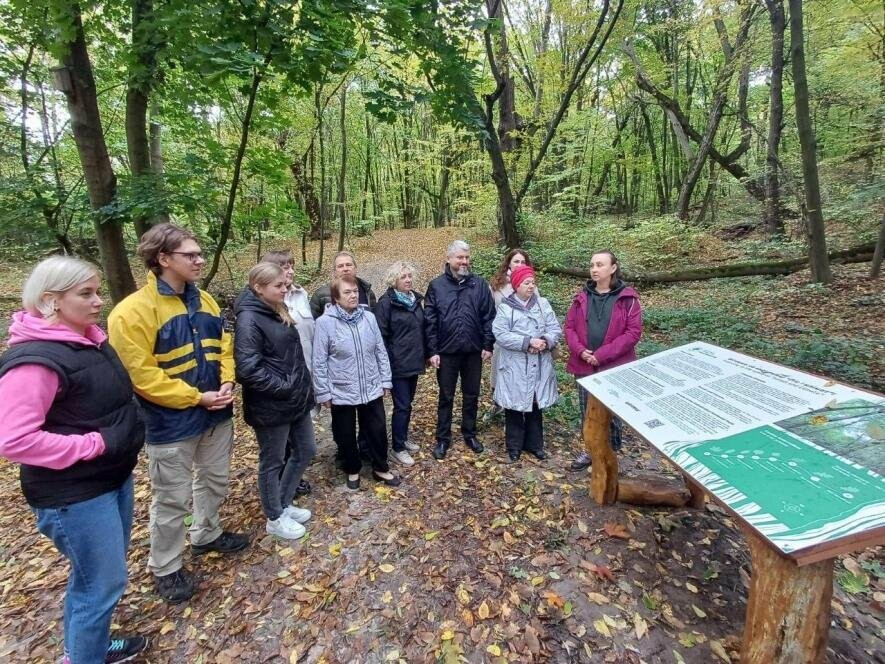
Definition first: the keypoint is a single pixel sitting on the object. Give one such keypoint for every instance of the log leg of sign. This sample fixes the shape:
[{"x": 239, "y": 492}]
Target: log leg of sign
[
  {"x": 788, "y": 609},
  {"x": 605, "y": 486},
  {"x": 698, "y": 497},
  {"x": 604, "y": 471}
]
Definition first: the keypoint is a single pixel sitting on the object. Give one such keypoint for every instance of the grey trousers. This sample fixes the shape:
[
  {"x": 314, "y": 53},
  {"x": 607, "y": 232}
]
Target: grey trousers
[
  {"x": 278, "y": 476},
  {"x": 194, "y": 469}
]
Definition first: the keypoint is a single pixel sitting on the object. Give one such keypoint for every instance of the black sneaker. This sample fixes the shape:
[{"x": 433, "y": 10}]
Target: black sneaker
[
  {"x": 225, "y": 543},
  {"x": 176, "y": 587},
  {"x": 304, "y": 489},
  {"x": 124, "y": 649}
]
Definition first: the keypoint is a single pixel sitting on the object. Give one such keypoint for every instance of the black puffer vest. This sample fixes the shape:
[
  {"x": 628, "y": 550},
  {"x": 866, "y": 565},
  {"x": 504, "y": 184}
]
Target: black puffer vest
[{"x": 95, "y": 394}]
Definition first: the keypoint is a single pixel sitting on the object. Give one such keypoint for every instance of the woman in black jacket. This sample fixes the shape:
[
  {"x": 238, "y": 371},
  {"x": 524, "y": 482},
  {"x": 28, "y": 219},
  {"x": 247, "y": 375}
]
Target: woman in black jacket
[
  {"x": 277, "y": 395},
  {"x": 400, "y": 317}
]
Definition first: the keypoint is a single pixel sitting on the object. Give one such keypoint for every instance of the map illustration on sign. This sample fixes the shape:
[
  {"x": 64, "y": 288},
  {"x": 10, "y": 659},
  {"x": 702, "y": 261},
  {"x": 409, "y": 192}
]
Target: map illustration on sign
[{"x": 799, "y": 457}]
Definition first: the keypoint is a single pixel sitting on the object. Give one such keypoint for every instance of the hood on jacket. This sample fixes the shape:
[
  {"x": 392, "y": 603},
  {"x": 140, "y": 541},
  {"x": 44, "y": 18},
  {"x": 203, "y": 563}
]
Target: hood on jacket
[
  {"x": 623, "y": 291},
  {"x": 615, "y": 289},
  {"x": 248, "y": 300},
  {"x": 514, "y": 301},
  {"x": 28, "y": 327}
]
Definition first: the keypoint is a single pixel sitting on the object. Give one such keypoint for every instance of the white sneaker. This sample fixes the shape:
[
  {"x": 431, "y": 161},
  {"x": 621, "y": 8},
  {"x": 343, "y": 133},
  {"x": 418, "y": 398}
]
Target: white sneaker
[
  {"x": 402, "y": 457},
  {"x": 297, "y": 514},
  {"x": 412, "y": 446},
  {"x": 285, "y": 528}
]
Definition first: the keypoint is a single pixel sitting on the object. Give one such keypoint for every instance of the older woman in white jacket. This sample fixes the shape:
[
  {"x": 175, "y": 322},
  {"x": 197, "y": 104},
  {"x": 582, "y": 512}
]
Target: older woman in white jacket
[{"x": 526, "y": 331}]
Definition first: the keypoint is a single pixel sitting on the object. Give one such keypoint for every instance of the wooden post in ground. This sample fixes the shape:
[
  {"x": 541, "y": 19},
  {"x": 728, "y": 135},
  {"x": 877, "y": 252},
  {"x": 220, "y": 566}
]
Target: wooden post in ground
[
  {"x": 788, "y": 610},
  {"x": 604, "y": 471},
  {"x": 698, "y": 497}
]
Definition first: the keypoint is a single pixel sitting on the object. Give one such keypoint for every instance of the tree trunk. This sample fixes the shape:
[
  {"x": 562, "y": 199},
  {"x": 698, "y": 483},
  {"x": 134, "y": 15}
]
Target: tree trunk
[
  {"x": 141, "y": 77},
  {"x": 817, "y": 242},
  {"x": 342, "y": 176},
  {"x": 880, "y": 250},
  {"x": 663, "y": 202},
  {"x": 774, "y": 222},
  {"x": 507, "y": 121},
  {"x": 238, "y": 166},
  {"x": 78, "y": 84},
  {"x": 156, "y": 139},
  {"x": 859, "y": 254},
  {"x": 367, "y": 176}
]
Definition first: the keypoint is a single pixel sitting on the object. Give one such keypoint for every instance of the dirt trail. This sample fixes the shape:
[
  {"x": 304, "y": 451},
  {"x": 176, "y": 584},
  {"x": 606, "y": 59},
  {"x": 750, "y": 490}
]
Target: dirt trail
[{"x": 470, "y": 559}]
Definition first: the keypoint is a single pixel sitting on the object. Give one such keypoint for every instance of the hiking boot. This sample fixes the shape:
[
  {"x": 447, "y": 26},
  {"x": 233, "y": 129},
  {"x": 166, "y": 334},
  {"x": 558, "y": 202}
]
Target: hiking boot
[
  {"x": 411, "y": 446},
  {"x": 124, "y": 649},
  {"x": 285, "y": 528},
  {"x": 297, "y": 514},
  {"x": 402, "y": 457},
  {"x": 176, "y": 587},
  {"x": 226, "y": 542},
  {"x": 581, "y": 462},
  {"x": 304, "y": 489}
]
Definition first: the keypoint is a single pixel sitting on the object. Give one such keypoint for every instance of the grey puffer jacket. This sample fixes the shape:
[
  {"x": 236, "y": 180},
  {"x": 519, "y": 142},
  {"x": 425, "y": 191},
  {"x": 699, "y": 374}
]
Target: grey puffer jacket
[
  {"x": 524, "y": 377},
  {"x": 350, "y": 364}
]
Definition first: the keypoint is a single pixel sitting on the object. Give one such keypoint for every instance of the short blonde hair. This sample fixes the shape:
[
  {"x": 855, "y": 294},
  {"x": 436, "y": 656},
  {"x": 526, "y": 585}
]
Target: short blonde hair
[
  {"x": 54, "y": 275},
  {"x": 396, "y": 270},
  {"x": 263, "y": 274}
]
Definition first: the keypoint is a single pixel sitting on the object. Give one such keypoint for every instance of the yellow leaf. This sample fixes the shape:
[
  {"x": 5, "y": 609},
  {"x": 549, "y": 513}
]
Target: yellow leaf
[
  {"x": 387, "y": 597},
  {"x": 639, "y": 626},
  {"x": 447, "y": 635},
  {"x": 293, "y": 656},
  {"x": 483, "y": 610},
  {"x": 698, "y": 612},
  {"x": 392, "y": 656},
  {"x": 386, "y": 567},
  {"x": 818, "y": 420},
  {"x": 287, "y": 551},
  {"x": 690, "y": 586},
  {"x": 167, "y": 627},
  {"x": 429, "y": 536},
  {"x": 462, "y": 595},
  {"x": 335, "y": 549},
  {"x": 719, "y": 650},
  {"x": 598, "y": 598},
  {"x": 602, "y": 628},
  {"x": 508, "y": 538},
  {"x": 494, "y": 649},
  {"x": 537, "y": 580}
]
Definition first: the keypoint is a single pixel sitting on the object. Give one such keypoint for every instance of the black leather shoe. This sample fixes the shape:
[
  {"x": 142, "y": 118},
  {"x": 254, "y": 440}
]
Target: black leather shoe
[
  {"x": 176, "y": 587},
  {"x": 513, "y": 457},
  {"x": 393, "y": 481},
  {"x": 474, "y": 444},
  {"x": 225, "y": 543},
  {"x": 439, "y": 451},
  {"x": 304, "y": 488},
  {"x": 540, "y": 456}
]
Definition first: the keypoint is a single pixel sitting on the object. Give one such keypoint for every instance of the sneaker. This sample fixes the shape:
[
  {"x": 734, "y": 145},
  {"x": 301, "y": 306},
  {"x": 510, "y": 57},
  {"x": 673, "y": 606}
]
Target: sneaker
[
  {"x": 353, "y": 485},
  {"x": 304, "y": 489},
  {"x": 176, "y": 587},
  {"x": 297, "y": 514},
  {"x": 285, "y": 528},
  {"x": 226, "y": 542},
  {"x": 402, "y": 457},
  {"x": 124, "y": 649},
  {"x": 581, "y": 462},
  {"x": 411, "y": 446}
]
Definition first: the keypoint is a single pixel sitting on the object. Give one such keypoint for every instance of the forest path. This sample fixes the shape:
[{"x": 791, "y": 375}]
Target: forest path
[{"x": 471, "y": 559}]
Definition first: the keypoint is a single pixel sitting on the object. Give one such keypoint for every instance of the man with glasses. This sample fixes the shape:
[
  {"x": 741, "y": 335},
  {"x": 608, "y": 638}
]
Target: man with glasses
[{"x": 171, "y": 338}]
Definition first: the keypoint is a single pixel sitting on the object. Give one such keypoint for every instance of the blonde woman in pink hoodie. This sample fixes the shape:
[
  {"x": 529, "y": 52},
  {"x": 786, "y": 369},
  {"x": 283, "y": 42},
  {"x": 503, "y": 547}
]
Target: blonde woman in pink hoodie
[{"x": 70, "y": 419}]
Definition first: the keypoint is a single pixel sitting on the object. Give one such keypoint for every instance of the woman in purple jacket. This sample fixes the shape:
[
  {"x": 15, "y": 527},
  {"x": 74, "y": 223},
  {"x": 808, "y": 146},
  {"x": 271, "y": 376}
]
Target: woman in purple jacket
[{"x": 602, "y": 329}]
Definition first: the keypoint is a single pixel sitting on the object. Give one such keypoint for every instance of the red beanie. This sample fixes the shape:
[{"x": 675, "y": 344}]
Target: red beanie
[{"x": 520, "y": 274}]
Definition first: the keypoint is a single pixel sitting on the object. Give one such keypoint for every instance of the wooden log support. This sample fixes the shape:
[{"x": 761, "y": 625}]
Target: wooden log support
[
  {"x": 698, "y": 497},
  {"x": 788, "y": 610},
  {"x": 653, "y": 490},
  {"x": 604, "y": 471}
]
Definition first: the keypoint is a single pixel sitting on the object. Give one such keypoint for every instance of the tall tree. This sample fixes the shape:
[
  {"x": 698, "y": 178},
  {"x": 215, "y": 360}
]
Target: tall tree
[
  {"x": 774, "y": 222},
  {"x": 817, "y": 241},
  {"x": 75, "y": 79}
]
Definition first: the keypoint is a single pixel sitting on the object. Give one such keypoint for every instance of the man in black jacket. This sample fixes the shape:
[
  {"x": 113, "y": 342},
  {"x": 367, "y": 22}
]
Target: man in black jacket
[
  {"x": 343, "y": 263},
  {"x": 458, "y": 315}
]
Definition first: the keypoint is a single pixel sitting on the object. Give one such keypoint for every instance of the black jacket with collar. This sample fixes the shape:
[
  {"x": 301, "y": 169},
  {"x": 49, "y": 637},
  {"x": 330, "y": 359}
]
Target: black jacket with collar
[
  {"x": 270, "y": 364},
  {"x": 323, "y": 297},
  {"x": 403, "y": 331},
  {"x": 458, "y": 314}
]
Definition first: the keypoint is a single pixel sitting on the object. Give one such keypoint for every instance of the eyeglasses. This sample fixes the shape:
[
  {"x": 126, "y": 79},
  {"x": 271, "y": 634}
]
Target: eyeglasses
[{"x": 192, "y": 256}]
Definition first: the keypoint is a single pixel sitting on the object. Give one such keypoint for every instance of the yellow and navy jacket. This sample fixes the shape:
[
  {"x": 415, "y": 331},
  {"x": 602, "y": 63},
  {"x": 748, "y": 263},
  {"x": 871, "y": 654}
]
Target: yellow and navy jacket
[{"x": 174, "y": 347}]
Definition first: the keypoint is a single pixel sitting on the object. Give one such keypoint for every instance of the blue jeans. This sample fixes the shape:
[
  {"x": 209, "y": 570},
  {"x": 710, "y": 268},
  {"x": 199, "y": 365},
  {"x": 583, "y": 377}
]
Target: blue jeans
[
  {"x": 284, "y": 453},
  {"x": 403, "y": 394},
  {"x": 94, "y": 536}
]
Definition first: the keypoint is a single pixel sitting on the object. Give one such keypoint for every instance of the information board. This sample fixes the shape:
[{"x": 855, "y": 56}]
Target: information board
[{"x": 799, "y": 457}]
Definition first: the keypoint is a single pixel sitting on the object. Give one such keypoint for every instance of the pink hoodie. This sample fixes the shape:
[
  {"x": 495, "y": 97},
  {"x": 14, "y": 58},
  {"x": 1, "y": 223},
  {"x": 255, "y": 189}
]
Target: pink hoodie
[{"x": 26, "y": 394}]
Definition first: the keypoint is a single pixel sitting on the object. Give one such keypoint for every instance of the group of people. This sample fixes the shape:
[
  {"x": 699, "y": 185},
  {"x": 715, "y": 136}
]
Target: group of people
[{"x": 79, "y": 405}]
